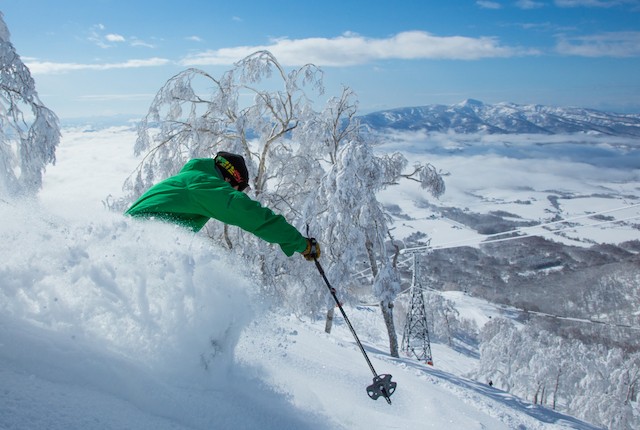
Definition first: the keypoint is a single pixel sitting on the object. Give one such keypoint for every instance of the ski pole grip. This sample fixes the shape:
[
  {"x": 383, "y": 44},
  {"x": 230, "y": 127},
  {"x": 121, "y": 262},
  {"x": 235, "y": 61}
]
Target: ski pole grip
[{"x": 314, "y": 247}]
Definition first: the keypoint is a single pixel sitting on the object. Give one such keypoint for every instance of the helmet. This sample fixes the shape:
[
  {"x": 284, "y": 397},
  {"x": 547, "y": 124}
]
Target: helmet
[{"x": 233, "y": 168}]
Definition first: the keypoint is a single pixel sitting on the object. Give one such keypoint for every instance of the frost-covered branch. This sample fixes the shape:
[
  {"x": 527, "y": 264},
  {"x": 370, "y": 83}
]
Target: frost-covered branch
[
  {"x": 27, "y": 144},
  {"x": 314, "y": 167}
]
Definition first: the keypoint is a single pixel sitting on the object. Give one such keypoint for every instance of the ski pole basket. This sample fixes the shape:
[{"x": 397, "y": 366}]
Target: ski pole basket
[{"x": 382, "y": 386}]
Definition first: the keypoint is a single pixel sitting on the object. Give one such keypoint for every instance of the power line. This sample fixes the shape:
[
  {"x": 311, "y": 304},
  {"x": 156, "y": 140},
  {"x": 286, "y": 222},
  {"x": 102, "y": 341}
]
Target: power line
[
  {"x": 483, "y": 239},
  {"x": 544, "y": 314}
]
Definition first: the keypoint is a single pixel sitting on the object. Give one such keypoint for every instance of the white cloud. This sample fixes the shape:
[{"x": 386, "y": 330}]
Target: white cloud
[
  {"x": 135, "y": 42},
  {"x": 489, "y": 4},
  {"x": 109, "y": 40},
  {"x": 529, "y": 4},
  {"x": 44, "y": 67},
  {"x": 593, "y": 3},
  {"x": 96, "y": 36},
  {"x": 194, "y": 38},
  {"x": 114, "y": 38},
  {"x": 351, "y": 49},
  {"x": 615, "y": 44}
]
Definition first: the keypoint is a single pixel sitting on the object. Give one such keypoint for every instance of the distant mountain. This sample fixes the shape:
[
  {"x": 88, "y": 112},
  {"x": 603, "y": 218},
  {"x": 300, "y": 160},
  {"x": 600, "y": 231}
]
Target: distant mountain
[{"x": 473, "y": 116}]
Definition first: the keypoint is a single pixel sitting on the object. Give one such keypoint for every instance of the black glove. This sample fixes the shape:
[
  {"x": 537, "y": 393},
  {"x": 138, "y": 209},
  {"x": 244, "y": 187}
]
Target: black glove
[{"x": 313, "y": 250}]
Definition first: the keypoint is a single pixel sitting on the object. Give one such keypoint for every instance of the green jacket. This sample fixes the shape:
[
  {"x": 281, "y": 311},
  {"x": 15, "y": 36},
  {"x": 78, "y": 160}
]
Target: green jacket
[{"x": 199, "y": 193}]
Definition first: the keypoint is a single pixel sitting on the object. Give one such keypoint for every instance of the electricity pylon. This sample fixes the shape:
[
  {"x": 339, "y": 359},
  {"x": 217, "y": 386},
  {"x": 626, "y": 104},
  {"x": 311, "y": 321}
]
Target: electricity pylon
[{"x": 415, "y": 339}]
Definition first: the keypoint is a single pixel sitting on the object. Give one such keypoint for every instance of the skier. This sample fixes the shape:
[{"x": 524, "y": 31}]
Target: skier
[{"x": 208, "y": 188}]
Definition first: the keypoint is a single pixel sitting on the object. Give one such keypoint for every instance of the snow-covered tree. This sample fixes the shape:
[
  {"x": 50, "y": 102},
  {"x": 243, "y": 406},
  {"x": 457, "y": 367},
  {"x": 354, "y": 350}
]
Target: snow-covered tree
[
  {"x": 186, "y": 121},
  {"x": 315, "y": 167},
  {"x": 196, "y": 115},
  {"x": 446, "y": 324},
  {"x": 183, "y": 123},
  {"x": 355, "y": 222},
  {"x": 499, "y": 341},
  {"x": 29, "y": 132}
]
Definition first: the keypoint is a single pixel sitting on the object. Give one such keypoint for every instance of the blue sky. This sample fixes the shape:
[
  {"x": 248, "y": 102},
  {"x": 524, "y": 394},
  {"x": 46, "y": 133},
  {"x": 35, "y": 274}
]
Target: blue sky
[{"x": 102, "y": 57}]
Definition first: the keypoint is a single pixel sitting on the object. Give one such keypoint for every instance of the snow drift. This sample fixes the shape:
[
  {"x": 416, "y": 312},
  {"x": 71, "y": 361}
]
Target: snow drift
[{"x": 117, "y": 307}]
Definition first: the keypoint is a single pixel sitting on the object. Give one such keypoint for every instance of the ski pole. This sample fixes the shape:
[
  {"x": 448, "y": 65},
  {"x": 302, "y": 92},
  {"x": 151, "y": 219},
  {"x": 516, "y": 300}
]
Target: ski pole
[{"x": 382, "y": 384}]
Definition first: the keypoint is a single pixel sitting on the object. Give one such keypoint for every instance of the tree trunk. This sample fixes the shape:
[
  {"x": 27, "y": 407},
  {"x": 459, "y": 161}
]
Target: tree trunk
[
  {"x": 227, "y": 239},
  {"x": 387, "y": 313},
  {"x": 446, "y": 320},
  {"x": 555, "y": 389},
  {"x": 372, "y": 257},
  {"x": 329, "y": 321}
]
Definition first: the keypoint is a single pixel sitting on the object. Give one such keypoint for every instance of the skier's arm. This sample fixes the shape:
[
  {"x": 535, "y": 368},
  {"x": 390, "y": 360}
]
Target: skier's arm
[{"x": 236, "y": 208}]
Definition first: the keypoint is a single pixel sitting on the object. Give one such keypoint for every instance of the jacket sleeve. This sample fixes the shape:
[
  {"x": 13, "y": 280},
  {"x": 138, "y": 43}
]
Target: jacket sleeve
[{"x": 233, "y": 207}]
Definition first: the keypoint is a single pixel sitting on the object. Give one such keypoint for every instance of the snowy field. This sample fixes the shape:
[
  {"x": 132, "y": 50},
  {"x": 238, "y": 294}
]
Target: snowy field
[
  {"x": 113, "y": 323},
  {"x": 530, "y": 177}
]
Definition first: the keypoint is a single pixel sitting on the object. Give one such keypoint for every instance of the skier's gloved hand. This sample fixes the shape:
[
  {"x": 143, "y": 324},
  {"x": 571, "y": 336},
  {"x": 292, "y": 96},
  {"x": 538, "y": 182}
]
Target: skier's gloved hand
[{"x": 313, "y": 249}]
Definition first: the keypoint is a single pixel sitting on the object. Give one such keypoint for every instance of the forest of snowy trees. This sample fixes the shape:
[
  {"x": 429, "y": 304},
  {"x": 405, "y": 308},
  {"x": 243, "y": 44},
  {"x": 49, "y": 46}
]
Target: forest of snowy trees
[
  {"x": 317, "y": 168},
  {"x": 598, "y": 383}
]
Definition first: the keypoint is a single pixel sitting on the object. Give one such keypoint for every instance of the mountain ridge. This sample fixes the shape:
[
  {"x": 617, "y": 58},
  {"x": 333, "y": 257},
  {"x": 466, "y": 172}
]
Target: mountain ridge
[{"x": 474, "y": 116}]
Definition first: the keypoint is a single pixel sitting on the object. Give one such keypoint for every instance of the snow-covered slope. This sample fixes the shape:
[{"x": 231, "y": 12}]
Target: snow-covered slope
[{"x": 111, "y": 323}]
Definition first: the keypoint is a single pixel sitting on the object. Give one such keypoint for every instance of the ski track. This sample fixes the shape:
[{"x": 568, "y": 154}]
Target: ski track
[{"x": 483, "y": 401}]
